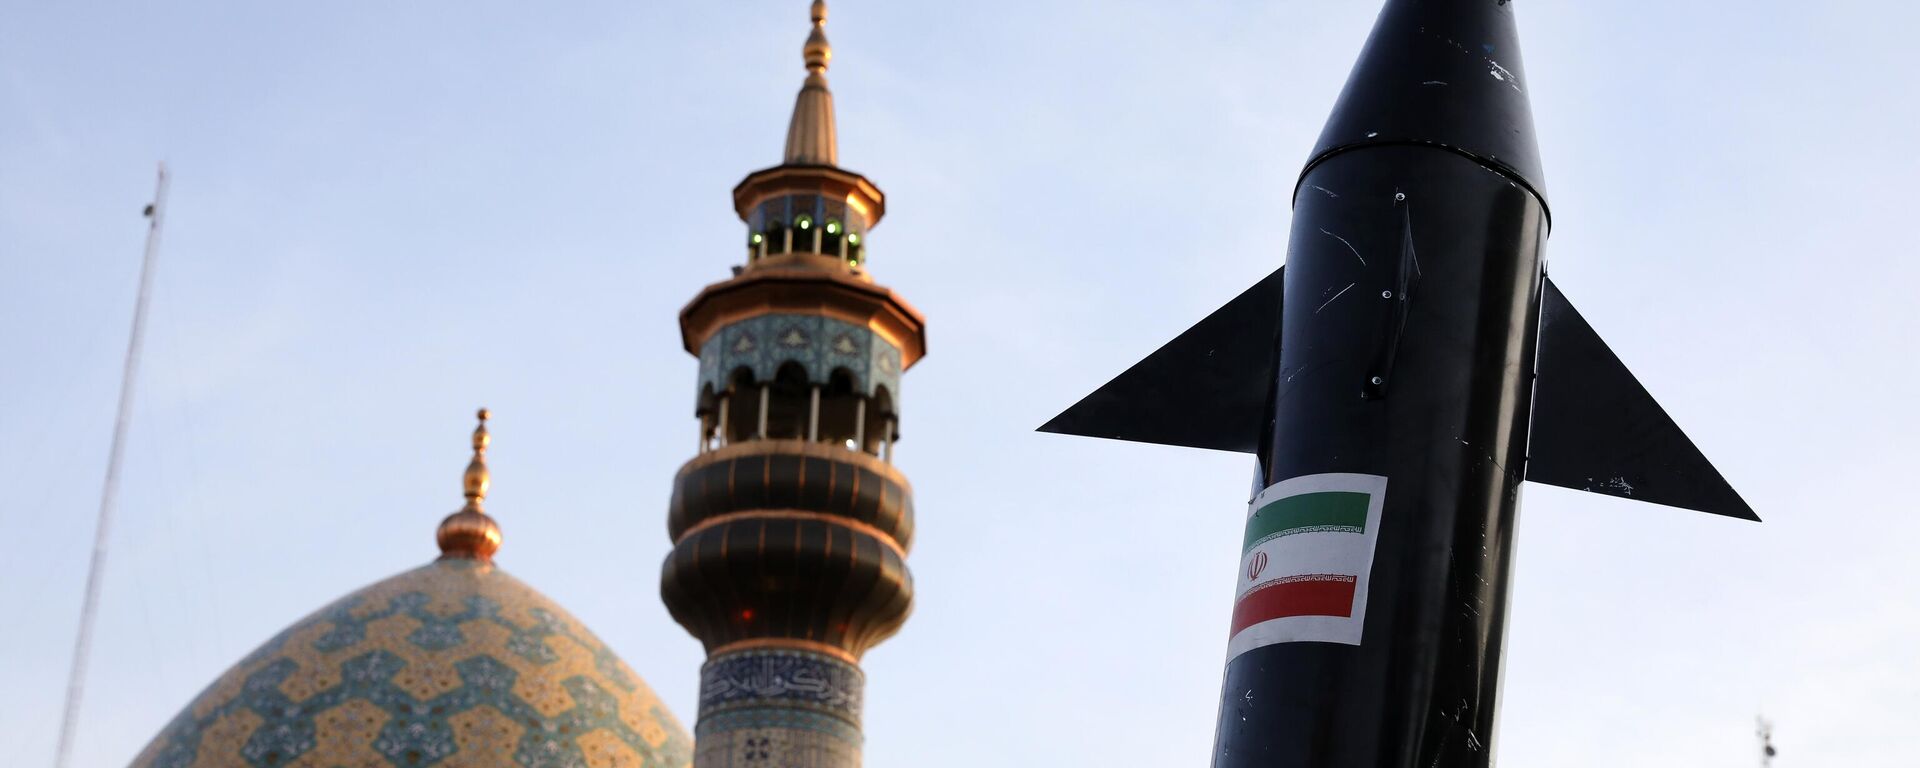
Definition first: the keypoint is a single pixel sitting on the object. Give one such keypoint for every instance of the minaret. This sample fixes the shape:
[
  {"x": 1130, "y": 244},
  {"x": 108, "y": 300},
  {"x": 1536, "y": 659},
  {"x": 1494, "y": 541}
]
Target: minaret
[{"x": 791, "y": 525}]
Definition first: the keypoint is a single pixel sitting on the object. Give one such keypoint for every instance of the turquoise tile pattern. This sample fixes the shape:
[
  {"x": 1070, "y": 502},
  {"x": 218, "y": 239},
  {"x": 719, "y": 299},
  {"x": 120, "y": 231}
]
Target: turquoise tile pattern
[
  {"x": 819, "y": 344},
  {"x": 452, "y": 664},
  {"x": 777, "y": 678},
  {"x": 775, "y": 707}
]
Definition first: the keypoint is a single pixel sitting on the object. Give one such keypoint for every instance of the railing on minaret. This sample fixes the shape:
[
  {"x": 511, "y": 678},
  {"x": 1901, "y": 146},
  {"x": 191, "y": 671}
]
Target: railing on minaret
[{"x": 790, "y": 524}]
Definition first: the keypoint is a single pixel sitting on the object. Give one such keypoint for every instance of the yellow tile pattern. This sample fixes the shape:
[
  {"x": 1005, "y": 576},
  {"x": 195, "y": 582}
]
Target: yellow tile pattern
[{"x": 452, "y": 664}]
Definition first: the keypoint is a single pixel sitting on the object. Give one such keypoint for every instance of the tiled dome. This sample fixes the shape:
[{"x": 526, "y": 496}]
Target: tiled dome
[{"x": 452, "y": 664}]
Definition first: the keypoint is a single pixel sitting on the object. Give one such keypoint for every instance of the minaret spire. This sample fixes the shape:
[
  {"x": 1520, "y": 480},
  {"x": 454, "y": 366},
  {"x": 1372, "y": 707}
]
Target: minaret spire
[
  {"x": 810, "y": 137},
  {"x": 470, "y": 532}
]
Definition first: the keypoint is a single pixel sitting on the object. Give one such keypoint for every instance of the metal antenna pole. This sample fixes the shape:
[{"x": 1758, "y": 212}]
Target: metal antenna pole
[
  {"x": 1765, "y": 733},
  {"x": 83, "y": 644}
]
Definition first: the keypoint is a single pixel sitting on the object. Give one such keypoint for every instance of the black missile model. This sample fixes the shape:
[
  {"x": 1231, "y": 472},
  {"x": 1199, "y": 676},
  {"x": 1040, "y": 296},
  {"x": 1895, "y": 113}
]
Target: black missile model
[{"x": 1397, "y": 379}]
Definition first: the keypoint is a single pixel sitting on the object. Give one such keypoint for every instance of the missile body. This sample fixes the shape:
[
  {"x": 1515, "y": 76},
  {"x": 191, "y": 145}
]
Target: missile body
[
  {"x": 1401, "y": 375},
  {"x": 1403, "y": 384}
]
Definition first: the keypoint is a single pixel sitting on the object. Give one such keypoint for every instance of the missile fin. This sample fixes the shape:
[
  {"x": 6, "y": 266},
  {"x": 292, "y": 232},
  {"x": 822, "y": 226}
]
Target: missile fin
[
  {"x": 1207, "y": 388},
  {"x": 1596, "y": 429}
]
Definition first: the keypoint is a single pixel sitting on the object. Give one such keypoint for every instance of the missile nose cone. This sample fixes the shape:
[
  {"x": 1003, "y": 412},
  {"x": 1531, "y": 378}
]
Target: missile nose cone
[{"x": 1444, "y": 73}]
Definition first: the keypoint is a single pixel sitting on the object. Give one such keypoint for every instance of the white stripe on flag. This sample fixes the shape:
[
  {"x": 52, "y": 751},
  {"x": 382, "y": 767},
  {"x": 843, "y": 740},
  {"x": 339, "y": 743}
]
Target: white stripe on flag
[{"x": 1318, "y": 552}]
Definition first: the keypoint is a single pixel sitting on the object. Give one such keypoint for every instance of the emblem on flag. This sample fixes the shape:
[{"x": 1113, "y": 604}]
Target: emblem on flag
[{"x": 1307, "y": 555}]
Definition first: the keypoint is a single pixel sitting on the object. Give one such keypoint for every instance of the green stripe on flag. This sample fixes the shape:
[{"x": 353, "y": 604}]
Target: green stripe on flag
[{"x": 1336, "y": 511}]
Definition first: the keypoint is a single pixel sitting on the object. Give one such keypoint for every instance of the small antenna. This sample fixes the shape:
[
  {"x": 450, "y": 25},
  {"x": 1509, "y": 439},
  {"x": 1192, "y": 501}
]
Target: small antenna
[
  {"x": 110, "y": 488},
  {"x": 1765, "y": 732}
]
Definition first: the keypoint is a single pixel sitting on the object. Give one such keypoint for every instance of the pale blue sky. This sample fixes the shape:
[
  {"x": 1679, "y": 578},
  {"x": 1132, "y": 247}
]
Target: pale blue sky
[{"x": 385, "y": 215}]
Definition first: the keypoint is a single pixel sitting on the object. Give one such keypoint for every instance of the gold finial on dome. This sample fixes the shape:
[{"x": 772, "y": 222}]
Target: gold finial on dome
[
  {"x": 811, "y": 138},
  {"x": 477, "y": 479},
  {"x": 470, "y": 533}
]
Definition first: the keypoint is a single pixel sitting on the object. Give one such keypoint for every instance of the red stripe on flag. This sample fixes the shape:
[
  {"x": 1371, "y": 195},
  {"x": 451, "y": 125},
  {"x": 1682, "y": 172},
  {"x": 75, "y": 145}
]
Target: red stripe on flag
[{"x": 1312, "y": 595}]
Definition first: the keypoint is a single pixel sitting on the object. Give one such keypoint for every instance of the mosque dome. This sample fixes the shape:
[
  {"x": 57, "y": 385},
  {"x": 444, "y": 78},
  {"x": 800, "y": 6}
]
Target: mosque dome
[{"x": 455, "y": 663}]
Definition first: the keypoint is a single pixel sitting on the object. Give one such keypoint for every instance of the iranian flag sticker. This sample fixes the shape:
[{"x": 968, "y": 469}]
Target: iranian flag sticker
[{"x": 1305, "y": 561}]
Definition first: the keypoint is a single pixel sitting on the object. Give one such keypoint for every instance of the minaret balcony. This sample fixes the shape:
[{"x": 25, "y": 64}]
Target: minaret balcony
[
  {"x": 855, "y": 488},
  {"x": 790, "y": 541}
]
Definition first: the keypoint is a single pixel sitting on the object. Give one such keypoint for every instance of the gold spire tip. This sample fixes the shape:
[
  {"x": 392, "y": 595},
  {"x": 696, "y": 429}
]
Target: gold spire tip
[
  {"x": 470, "y": 532},
  {"x": 818, "y": 53},
  {"x": 810, "y": 136}
]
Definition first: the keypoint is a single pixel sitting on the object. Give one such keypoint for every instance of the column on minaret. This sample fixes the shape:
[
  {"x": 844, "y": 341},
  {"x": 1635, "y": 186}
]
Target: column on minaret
[
  {"x": 813, "y": 414},
  {"x": 860, "y": 425},
  {"x": 791, "y": 533},
  {"x": 766, "y": 392}
]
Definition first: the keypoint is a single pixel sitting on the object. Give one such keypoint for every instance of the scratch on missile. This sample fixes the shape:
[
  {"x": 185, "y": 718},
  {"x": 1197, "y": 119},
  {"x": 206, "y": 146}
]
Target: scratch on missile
[
  {"x": 1617, "y": 485},
  {"x": 1447, "y": 736},
  {"x": 1412, "y": 254},
  {"x": 1435, "y": 82},
  {"x": 1342, "y": 292},
  {"x": 1457, "y": 46},
  {"x": 1501, "y": 74},
  {"x": 1343, "y": 241},
  {"x": 1495, "y": 461},
  {"x": 1330, "y": 193},
  {"x": 1498, "y": 72},
  {"x": 1299, "y": 370}
]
